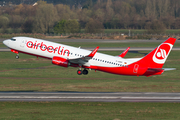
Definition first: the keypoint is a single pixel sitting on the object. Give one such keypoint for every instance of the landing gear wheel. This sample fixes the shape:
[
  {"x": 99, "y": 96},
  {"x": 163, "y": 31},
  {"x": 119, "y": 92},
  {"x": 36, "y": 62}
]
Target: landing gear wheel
[
  {"x": 17, "y": 57},
  {"x": 85, "y": 72},
  {"x": 79, "y": 72}
]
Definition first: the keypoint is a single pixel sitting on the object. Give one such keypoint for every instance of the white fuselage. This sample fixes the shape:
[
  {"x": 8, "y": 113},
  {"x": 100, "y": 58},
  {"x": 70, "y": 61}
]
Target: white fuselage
[{"x": 48, "y": 49}]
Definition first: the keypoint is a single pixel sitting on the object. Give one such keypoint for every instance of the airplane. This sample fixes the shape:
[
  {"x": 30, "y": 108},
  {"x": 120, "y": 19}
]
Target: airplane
[{"x": 65, "y": 56}]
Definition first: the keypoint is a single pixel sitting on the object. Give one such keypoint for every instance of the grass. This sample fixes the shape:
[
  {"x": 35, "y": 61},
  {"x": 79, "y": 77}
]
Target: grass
[
  {"x": 28, "y": 73},
  {"x": 125, "y": 31},
  {"x": 139, "y": 31},
  {"x": 136, "y": 31},
  {"x": 89, "y": 111}
]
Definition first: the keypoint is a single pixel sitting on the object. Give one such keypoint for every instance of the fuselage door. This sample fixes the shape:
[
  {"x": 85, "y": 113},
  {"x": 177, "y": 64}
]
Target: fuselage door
[{"x": 136, "y": 67}]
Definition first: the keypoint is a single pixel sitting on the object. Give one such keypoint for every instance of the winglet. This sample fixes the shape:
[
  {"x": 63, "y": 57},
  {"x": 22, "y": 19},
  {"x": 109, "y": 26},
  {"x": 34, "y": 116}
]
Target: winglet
[
  {"x": 93, "y": 52},
  {"x": 124, "y": 53}
]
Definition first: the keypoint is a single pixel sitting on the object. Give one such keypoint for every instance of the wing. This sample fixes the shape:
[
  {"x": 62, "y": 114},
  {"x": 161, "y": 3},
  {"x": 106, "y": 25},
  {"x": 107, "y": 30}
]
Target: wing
[{"x": 84, "y": 59}]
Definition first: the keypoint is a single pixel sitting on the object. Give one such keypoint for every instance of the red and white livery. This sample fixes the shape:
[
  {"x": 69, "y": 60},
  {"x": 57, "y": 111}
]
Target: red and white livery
[{"x": 65, "y": 56}]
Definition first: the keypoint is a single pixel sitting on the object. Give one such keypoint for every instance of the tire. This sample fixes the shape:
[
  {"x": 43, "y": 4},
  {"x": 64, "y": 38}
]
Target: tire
[
  {"x": 85, "y": 72},
  {"x": 17, "y": 57},
  {"x": 79, "y": 72}
]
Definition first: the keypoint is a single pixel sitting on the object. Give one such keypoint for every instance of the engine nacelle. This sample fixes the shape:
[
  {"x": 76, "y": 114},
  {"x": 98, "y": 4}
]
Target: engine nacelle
[{"x": 60, "y": 61}]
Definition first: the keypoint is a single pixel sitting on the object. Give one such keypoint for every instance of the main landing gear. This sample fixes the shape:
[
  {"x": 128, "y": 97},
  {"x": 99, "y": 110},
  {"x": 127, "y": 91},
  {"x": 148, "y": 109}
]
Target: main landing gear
[{"x": 84, "y": 72}]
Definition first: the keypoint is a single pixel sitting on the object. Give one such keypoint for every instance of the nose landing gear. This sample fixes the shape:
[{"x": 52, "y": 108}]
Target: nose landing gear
[
  {"x": 14, "y": 51},
  {"x": 17, "y": 56}
]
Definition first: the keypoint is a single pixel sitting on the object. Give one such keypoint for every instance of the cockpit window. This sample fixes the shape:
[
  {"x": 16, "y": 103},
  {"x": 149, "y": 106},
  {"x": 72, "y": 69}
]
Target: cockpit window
[{"x": 13, "y": 39}]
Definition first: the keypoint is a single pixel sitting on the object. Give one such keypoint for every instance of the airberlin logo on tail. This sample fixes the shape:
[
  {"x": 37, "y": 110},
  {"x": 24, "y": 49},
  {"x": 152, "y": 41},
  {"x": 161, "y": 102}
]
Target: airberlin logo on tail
[{"x": 161, "y": 53}]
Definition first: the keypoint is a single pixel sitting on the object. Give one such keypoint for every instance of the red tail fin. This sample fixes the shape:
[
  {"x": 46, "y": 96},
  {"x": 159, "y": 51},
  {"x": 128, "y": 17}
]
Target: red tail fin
[{"x": 157, "y": 57}]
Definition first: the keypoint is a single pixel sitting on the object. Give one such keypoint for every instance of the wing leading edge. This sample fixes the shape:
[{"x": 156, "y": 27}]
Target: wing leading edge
[{"x": 85, "y": 58}]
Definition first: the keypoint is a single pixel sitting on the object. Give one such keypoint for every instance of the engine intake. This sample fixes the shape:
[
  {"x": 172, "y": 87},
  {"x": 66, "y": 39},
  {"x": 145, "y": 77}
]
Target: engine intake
[{"x": 60, "y": 61}]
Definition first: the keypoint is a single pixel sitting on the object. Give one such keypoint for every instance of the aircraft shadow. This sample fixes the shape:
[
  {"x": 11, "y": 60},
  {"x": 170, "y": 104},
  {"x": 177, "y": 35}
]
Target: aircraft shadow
[{"x": 138, "y": 52}]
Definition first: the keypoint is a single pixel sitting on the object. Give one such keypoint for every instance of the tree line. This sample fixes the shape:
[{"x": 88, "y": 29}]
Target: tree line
[{"x": 92, "y": 15}]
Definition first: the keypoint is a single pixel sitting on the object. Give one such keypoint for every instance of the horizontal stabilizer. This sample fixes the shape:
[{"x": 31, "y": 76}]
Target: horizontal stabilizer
[
  {"x": 167, "y": 69},
  {"x": 160, "y": 69}
]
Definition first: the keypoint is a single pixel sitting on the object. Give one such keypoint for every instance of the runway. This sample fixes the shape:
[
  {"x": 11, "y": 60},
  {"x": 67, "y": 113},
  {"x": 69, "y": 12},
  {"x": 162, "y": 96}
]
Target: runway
[{"x": 90, "y": 96}]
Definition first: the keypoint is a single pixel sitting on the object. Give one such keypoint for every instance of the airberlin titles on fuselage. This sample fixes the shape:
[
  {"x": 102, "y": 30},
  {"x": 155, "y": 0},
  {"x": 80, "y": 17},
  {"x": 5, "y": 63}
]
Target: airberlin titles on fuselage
[{"x": 50, "y": 49}]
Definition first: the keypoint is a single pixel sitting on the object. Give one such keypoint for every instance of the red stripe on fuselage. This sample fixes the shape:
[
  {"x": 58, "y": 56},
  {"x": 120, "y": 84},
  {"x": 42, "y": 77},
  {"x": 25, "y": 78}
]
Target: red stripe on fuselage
[
  {"x": 32, "y": 54},
  {"x": 125, "y": 70}
]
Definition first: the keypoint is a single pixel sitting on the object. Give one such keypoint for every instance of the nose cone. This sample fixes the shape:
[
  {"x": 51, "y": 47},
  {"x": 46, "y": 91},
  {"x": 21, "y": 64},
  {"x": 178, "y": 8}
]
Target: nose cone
[{"x": 6, "y": 42}]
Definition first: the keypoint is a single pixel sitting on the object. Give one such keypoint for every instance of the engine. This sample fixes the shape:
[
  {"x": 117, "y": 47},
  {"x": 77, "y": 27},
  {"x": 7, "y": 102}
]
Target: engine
[{"x": 60, "y": 61}]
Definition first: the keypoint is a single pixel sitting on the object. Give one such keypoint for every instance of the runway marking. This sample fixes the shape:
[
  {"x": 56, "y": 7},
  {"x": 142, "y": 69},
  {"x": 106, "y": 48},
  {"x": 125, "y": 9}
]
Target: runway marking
[
  {"x": 177, "y": 98},
  {"x": 82, "y": 97},
  {"x": 53, "y": 97},
  {"x": 90, "y": 96}
]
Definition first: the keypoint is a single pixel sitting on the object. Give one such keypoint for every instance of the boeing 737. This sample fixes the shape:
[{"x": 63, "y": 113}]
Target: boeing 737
[{"x": 65, "y": 56}]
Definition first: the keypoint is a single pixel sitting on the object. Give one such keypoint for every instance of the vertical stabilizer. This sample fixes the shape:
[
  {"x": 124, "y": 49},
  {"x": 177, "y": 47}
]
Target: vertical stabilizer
[{"x": 157, "y": 57}]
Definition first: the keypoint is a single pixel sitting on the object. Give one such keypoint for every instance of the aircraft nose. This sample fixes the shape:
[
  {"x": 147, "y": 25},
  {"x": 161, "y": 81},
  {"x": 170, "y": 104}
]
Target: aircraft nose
[{"x": 6, "y": 42}]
